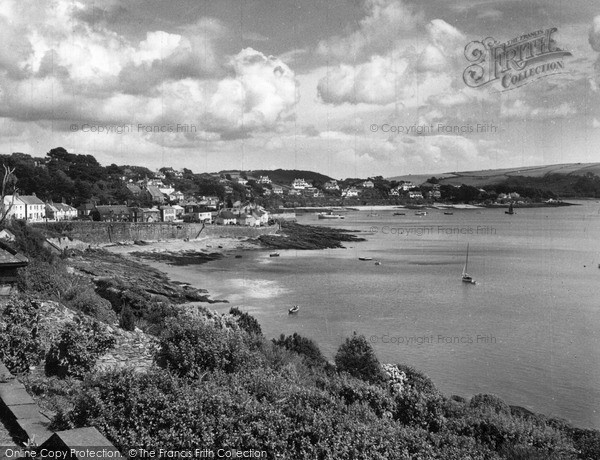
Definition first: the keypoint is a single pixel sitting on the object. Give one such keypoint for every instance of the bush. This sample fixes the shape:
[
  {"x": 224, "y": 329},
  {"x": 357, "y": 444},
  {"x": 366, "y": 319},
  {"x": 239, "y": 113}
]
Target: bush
[
  {"x": 189, "y": 347},
  {"x": 20, "y": 345},
  {"x": 127, "y": 319},
  {"x": 246, "y": 321},
  {"x": 418, "y": 401},
  {"x": 303, "y": 346},
  {"x": 491, "y": 402},
  {"x": 30, "y": 241},
  {"x": 356, "y": 356},
  {"x": 80, "y": 344},
  {"x": 47, "y": 280},
  {"x": 82, "y": 297}
]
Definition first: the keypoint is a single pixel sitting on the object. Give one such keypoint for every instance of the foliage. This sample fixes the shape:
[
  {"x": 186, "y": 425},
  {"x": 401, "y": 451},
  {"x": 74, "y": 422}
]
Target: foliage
[
  {"x": 80, "y": 344},
  {"x": 52, "y": 281},
  {"x": 357, "y": 357},
  {"x": 303, "y": 346},
  {"x": 492, "y": 402},
  {"x": 20, "y": 345},
  {"x": 190, "y": 346},
  {"x": 246, "y": 321},
  {"x": 127, "y": 319},
  {"x": 29, "y": 241}
]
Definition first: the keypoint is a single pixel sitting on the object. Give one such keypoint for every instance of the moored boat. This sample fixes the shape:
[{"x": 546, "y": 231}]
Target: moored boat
[
  {"x": 294, "y": 309},
  {"x": 466, "y": 278},
  {"x": 329, "y": 215},
  {"x": 274, "y": 254},
  {"x": 365, "y": 258}
]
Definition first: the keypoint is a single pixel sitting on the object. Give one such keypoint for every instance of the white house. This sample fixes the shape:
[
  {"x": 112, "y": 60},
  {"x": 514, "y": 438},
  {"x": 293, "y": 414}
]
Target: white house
[
  {"x": 277, "y": 190},
  {"x": 17, "y": 211},
  {"x": 350, "y": 192},
  {"x": 368, "y": 184},
  {"x": 331, "y": 185},
  {"x": 300, "y": 184},
  {"x": 414, "y": 195},
  {"x": 264, "y": 180},
  {"x": 35, "y": 209},
  {"x": 406, "y": 186}
]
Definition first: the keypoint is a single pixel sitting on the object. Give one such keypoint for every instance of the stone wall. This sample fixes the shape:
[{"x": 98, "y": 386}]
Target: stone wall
[{"x": 112, "y": 232}]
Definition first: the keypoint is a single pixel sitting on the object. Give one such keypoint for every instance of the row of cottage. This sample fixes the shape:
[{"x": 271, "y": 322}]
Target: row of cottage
[
  {"x": 248, "y": 215},
  {"x": 32, "y": 209}
]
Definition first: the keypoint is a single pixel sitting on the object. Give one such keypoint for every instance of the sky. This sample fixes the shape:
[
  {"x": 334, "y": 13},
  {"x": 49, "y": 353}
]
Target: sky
[{"x": 348, "y": 88}]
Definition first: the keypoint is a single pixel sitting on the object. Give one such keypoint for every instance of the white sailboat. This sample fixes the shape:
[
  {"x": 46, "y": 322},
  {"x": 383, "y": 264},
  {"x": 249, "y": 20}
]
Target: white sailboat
[{"x": 466, "y": 278}]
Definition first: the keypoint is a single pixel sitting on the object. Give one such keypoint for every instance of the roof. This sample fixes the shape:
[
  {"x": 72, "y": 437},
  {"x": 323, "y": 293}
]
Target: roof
[
  {"x": 80, "y": 437},
  {"x": 154, "y": 191},
  {"x": 227, "y": 215},
  {"x": 115, "y": 209},
  {"x": 30, "y": 199},
  {"x": 134, "y": 188},
  {"x": 8, "y": 199},
  {"x": 11, "y": 258},
  {"x": 63, "y": 207}
]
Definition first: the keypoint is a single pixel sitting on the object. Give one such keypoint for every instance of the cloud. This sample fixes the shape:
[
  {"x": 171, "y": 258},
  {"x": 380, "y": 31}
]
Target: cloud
[
  {"x": 385, "y": 20},
  {"x": 594, "y": 34},
  {"x": 405, "y": 75},
  {"x": 66, "y": 69}
]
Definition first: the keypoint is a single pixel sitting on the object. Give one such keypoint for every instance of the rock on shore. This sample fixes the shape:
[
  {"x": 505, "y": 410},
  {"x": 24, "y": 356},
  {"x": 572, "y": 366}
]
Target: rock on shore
[{"x": 296, "y": 236}]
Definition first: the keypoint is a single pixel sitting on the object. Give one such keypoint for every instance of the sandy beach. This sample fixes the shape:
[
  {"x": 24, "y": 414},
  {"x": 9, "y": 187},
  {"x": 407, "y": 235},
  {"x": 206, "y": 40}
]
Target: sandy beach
[{"x": 205, "y": 244}]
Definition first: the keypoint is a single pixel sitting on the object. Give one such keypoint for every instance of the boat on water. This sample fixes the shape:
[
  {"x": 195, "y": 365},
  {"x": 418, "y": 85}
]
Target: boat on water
[
  {"x": 293, "y": 310},
  {"x": 421, "y": 213},
  {"x": 448, "y": 213},
  {"x": 238, "y": 256},
  {"x": 274, "y": 254},
  {"x": 377, "y": 263},
  {"x": 365, "y": 258},
  {"x": 466, "y": 278},
  {"x": 329, "y": 215},
  {"x": 399, "y": 214},
  {"x": 510, "y": 210}
]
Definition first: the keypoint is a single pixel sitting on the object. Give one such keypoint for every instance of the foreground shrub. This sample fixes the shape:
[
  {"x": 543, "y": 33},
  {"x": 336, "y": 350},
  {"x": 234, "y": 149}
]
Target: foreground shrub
[
  {"x": 127, "y": 319},
  {"x": 189, "y": 347},
  {"x": 80, "y": 344},
  {"x": 491, "y": 402},
  {"x": 20, "y": 345},
  {"x": 418, "y": 402},
  {"x": 356, "y": 357},
  {"x": 303, "y": 346},
  {"x": 259, "y": 410},
  {"x": 246, "y": 321},
  {"x": 46, "y": 280}
]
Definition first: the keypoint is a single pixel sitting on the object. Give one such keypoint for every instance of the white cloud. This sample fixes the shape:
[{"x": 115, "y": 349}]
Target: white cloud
[
  {"x": 406, "y": 75},
  {"x": 385, "y": 20},
  {"x": 62, "y": 68},
  {"x": 594, "y": 35}
]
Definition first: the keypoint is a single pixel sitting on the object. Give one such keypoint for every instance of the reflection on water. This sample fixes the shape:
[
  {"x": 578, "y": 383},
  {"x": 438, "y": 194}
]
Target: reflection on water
[{"x": 537, "y": 273}]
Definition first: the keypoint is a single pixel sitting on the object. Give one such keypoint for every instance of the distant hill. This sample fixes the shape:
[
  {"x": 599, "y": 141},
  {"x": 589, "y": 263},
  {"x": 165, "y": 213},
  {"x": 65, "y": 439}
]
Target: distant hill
[
  {"x": 496, "y": 176},
  {"x": 286, "y": 176}
]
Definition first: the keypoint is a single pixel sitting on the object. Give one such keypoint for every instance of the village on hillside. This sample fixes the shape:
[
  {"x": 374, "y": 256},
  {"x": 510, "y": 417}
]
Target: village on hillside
[{"x": 63, "y": 186}]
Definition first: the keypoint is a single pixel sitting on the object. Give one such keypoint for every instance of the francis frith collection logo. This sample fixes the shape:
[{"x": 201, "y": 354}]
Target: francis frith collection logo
[{"x": 514, "y": 63}]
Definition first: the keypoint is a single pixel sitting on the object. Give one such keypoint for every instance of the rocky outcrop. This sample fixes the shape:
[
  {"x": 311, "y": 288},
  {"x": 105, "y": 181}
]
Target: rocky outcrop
[
  {"x": 296, "y": 236},
  {"x": 115, "y": 276}
]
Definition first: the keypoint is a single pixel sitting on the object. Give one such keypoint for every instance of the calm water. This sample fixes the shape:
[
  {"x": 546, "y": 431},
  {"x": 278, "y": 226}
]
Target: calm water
[{"x": 529, "y": 331}]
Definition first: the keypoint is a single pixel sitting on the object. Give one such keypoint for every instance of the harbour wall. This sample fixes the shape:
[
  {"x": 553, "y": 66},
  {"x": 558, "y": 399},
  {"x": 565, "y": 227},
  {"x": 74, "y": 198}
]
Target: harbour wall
[{"x": 112, "y": 232}]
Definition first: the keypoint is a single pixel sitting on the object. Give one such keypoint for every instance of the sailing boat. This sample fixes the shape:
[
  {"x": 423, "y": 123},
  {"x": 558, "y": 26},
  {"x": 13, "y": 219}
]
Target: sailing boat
[
  {"x": 466, "y": 278},
  {"x": 510, "y": 209}
]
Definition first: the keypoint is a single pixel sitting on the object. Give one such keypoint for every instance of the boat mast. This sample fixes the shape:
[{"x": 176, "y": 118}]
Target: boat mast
[{"x": 467, "y": 260}]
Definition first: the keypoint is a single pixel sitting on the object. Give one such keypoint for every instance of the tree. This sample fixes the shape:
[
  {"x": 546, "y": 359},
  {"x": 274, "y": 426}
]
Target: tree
[
  {"x": 8, "y": 182},
  {"x": 356, "y": 356}
]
